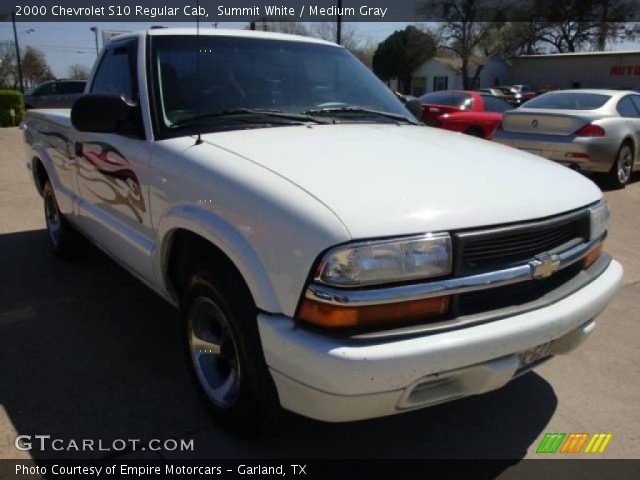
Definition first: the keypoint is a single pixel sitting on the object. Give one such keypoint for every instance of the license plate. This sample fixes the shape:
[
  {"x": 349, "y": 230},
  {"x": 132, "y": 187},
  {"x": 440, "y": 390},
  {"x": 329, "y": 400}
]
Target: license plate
[
  {"x": 534, "y": 354},
  {"x": 534, "y": 152}
]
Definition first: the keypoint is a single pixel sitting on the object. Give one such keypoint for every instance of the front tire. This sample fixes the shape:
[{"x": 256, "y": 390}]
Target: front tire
[
  {"x": 225, "y": 352},
  {"x": 65, "y": 242},
  {"x": 622, "y": 167}
]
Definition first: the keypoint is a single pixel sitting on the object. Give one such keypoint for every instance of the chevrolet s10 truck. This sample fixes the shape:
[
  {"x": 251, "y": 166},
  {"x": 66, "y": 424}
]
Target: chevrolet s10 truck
[{"x": 327, "y": 253}]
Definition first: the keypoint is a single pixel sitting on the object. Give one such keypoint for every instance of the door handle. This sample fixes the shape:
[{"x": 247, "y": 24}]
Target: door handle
[{"x": 78, "y": 149}]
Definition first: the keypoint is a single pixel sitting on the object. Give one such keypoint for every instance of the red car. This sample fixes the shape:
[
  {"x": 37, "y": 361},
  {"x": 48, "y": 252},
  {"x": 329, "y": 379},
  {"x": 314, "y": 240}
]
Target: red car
[{"x": 463, "y": 111}]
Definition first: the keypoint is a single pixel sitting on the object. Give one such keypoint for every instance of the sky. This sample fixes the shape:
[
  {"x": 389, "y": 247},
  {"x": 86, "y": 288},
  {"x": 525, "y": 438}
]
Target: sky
[{"x": 68, "y": 43}]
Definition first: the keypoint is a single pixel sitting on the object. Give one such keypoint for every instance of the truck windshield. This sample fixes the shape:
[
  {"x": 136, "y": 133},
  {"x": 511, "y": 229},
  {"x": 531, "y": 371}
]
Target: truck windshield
[{"x": 250, "y": 80}]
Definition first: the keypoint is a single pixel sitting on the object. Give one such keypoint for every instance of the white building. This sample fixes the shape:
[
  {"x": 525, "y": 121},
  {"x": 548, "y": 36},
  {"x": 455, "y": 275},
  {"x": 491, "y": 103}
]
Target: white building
[
  {"x": 579, "y": 70},
  {"x": 445, "y": 73}
]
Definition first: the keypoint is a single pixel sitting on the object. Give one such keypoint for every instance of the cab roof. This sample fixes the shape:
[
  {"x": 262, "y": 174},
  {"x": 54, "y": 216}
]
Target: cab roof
[{"x": 220, "y": 32}]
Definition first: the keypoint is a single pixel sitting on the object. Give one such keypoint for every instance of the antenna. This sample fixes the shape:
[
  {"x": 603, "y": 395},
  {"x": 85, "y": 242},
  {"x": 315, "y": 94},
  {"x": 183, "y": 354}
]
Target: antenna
[{"x": 199, "y": 139}]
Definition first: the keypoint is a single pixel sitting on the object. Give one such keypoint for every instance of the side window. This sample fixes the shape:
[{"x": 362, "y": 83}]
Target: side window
[
  {"x": 48, "y": 89},
  {"x": 70, "y": 88},
  {"x": 627, "y": 108},
  {"x": 492, "y": 104},
  {"x": 116, "y": 73},
  {"x": 636, "y": 100}
]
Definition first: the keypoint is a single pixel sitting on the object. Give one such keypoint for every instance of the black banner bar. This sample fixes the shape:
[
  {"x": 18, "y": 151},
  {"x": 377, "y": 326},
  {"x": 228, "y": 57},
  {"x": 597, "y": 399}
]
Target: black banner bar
[
  {"x": 164, "y": 11},
  {"x": 583, "y": 469}
]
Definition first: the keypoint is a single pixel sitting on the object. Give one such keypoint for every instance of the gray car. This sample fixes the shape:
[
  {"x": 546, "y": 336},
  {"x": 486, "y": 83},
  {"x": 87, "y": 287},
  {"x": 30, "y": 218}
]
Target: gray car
[
  {"x": 54, "y": 94},
  {"x": 589, "y": 130}
]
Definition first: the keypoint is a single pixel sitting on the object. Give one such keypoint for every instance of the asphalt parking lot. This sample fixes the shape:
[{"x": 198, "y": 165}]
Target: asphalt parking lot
[{"x": 86, "y": 351}]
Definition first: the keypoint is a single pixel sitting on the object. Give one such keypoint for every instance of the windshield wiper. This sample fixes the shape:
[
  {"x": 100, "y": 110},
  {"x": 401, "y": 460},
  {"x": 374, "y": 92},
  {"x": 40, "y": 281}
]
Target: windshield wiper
[
  {"x": 300, "y": 118},
  {"x": 363, "y": 110}
]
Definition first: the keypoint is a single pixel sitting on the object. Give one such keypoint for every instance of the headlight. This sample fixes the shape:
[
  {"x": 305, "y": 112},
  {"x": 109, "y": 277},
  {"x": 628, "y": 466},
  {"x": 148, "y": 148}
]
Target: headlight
[
  {"x": 386, "y": 261},
  {"x": 599, "y": 220}
]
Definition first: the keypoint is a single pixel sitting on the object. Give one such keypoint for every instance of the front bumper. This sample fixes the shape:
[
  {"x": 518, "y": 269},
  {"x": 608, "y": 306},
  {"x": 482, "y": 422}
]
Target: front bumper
[
  {"x": 562, "y": 149},
  {"x": 337, "y": 380}
]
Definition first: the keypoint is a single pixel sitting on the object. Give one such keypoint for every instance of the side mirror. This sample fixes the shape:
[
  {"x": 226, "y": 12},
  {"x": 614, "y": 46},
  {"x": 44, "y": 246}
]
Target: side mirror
[
  {"x": 414, "y": 105},
  {"x": 106, "y": 114}
]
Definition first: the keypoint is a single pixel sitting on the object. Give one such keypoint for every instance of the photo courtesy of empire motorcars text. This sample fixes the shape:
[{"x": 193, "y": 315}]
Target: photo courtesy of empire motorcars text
[{"x": 325, "y": 239}]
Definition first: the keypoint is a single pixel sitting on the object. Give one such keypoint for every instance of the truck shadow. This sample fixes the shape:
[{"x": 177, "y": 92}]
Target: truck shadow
[{"x": 86, "y": 351}]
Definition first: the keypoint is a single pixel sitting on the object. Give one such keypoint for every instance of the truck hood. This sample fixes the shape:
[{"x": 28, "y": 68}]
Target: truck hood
[{"x": 383, "y": 180}]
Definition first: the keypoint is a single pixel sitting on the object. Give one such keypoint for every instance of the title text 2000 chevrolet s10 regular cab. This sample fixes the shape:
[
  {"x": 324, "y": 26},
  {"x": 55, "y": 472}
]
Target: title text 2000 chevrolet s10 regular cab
[{"x": 326, "y": 252}]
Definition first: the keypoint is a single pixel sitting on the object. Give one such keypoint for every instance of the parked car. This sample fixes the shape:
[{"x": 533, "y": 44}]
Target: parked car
[
  {"x": 54, "y": 94},
  {"x": 503, "y": 93},
  {"x": 519, "y": 93},
  {"x": 327, "y": 253},
  {"x": 524, "y": 89},
  {"x": 468, "y": 112},
  {"x": 496, "y": 92},
  {"x": 511, "y": 96},
  {"x": 546, "y": 89},
  {"x": 590, "y": 130}
]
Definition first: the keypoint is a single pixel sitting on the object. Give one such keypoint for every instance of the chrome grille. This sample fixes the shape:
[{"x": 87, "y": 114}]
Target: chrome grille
[
  {"x": 487, "y": 250},
  {"x": 517, "y": 294}
]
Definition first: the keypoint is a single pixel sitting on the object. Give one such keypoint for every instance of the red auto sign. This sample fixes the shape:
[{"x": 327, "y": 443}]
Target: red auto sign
[{"x": 622, "y": 70}]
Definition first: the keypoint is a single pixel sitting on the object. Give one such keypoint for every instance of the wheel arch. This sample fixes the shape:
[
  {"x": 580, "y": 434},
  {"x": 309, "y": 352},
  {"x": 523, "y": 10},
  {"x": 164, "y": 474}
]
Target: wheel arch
[
  {"x": 40, "y": 174},
  {"x": 42, "y": 167},
  {"x": 628, "y": 139},
  {"x": 185, "y": 231}
]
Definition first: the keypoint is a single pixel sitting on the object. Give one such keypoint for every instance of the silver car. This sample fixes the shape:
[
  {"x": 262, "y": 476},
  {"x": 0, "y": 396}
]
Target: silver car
[{"x": 589, "y": 130}]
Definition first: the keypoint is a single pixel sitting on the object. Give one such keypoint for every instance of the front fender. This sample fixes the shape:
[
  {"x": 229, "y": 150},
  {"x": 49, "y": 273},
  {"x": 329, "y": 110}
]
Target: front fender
[{"x": 224, "y": 236}]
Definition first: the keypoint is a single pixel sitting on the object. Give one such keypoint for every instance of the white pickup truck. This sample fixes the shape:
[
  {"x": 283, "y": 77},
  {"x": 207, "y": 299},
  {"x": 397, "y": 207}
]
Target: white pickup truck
[{"x": 327, "y": 253}]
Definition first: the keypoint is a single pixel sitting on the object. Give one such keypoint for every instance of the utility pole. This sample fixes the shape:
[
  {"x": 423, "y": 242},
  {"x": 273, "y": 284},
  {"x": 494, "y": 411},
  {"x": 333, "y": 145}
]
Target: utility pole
[
  {"x": 15, "y": 36},
  {"x": 339, "y": 24}
]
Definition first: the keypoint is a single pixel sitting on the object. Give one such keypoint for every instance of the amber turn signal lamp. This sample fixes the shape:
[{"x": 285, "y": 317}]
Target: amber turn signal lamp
[
  {"x": 338, "y": 316},
  {"x": 592, "y": 256}
]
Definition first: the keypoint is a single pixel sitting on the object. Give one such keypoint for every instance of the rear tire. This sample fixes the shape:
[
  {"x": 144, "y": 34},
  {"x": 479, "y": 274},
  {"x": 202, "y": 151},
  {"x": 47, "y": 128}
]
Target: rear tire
[
  {"x": 224, "y": 351},
  {"x": 622, "y": 168},
  {"x": 65, "y": 242},
  {"x": 475, "y": 132}
]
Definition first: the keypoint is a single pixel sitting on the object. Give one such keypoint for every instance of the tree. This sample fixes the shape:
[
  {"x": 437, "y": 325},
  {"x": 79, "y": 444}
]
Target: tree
[
  {"x": 513, "y": 39},
  {"x": 350, "y": 38},
  {"x": 292, "y": 28},
  {"x": 34, "y": 67},
  {"x": 365, "y": 53},
  {"x": 401, "y": 53},
  {"x": 8, "y": 66},
  {"x": 567, "y": 26},
  {"x": 575, "y": 25},
  {"x": 465, "y": 30},
  {"x": 78, "y": 72}
]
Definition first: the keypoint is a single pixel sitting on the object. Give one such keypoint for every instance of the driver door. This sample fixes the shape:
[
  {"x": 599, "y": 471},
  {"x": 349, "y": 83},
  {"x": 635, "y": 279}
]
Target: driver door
[{"x": 112, "y": 170}]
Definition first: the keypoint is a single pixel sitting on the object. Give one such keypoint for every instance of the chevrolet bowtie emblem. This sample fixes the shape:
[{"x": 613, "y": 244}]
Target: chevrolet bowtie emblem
[{"x": 544, "y": 265}]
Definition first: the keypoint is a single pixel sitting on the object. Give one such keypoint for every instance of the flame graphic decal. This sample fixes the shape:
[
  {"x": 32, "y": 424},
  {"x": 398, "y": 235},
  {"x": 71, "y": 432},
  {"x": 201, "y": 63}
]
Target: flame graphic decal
[{"x": 106, "y": 167}]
